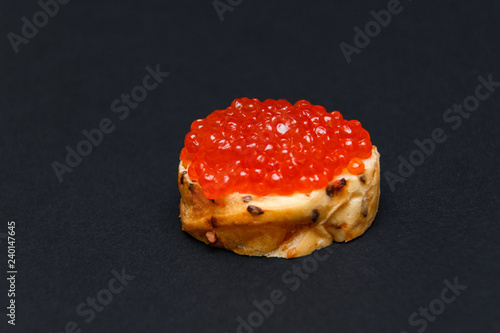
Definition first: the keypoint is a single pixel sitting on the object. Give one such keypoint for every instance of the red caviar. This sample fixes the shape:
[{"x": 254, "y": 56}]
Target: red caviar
[
  {"x": 356, "y": 166},
  {"x": 273, "y": 147}
]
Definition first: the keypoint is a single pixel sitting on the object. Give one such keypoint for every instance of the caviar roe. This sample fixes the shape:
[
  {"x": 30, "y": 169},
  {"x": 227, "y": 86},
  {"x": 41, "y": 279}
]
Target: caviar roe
[{"x": 273, "y": 147}]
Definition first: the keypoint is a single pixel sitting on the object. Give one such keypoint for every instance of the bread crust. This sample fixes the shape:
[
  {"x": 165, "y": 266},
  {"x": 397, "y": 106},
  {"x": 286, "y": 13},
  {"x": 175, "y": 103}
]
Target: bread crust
[{"x": 283, "y": 226}]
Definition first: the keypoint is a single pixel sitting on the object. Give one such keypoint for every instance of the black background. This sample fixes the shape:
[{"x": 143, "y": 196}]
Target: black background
[{"x": 119, "y": 208}]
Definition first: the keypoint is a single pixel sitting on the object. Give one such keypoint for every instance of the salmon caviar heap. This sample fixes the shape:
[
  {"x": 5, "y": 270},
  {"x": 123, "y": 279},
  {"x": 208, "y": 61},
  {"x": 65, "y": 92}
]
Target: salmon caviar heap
[{"x": 272, "y": 148}]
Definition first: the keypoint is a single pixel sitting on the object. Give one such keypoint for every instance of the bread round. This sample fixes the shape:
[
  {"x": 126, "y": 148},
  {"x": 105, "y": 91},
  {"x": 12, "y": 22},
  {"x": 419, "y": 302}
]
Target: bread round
[{"x": 283, "y": 226}]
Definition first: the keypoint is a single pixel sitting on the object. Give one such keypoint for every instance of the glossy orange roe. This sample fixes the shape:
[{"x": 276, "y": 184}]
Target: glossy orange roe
[
  {"x": 273, "y": 147},
  {"x": 356, "y": 166}
]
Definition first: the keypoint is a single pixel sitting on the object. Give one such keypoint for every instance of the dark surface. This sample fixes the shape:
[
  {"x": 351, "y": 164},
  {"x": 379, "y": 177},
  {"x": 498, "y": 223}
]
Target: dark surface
[{"x": 119, "y": 207}]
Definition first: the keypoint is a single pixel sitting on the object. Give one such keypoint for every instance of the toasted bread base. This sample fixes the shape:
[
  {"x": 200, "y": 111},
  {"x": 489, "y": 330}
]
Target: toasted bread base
[{"x": 283, "y": 226}]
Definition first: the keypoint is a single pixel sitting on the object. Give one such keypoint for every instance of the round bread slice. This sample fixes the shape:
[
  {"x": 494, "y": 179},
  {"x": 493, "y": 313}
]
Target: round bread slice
[{"x": 283, "y": 226}]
